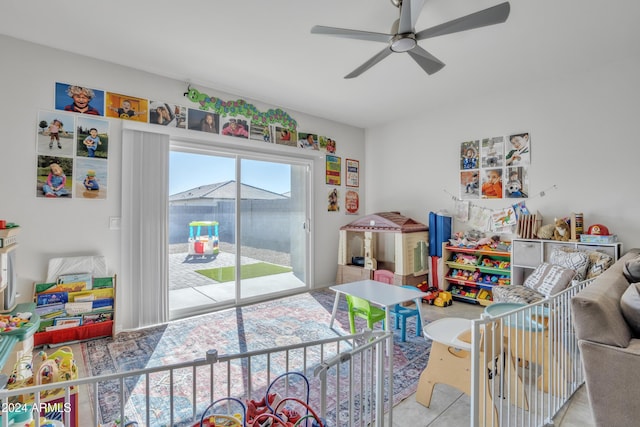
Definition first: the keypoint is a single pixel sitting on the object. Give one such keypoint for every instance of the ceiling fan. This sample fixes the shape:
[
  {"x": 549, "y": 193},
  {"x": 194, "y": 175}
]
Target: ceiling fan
[{"x": 404, "y": 38}]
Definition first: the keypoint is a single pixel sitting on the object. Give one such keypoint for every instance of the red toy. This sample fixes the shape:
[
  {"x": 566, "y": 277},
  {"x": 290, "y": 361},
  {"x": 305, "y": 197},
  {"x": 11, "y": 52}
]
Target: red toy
[{"x": 432, "y": 292}]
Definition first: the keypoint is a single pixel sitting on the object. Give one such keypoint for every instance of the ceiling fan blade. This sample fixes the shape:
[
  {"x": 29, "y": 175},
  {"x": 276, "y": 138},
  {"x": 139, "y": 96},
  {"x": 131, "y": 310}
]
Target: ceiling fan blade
[
  {"x": 351, "y": 34},
  {"x": 428, "y": 62},
  {"x": 490, "y": 16},
  {"x": 409, "y": 13},
  {"x": 370, "y": 63}
]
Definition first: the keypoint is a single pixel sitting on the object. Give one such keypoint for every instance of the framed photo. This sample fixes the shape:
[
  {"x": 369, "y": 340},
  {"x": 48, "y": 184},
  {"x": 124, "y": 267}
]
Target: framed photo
[
  {"x": 352, "y": 176},
  {"x": 334, "y": 169},
  {"x": 352, "y": 202}
]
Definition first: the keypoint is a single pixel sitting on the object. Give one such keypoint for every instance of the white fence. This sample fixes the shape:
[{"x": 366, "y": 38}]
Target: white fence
[
  {"x": 525, "y": 363},
  {"x": 348, "y": 385}
]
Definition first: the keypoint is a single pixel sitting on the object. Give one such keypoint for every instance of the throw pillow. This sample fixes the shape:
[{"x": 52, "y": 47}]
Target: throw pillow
[
  {"x": 549, "y": 279},
  {"x": 598, "y": 263},
  {"x": 630, "y": 307},
  {"x": 631, "y": 270},
  {"x": 516, "y": 293},
  {"x": 578, "y": 261}
]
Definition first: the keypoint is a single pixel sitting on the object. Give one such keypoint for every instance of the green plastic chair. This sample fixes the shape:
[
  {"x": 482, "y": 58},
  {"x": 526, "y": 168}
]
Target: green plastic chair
[{"x": 363, "y": 308}]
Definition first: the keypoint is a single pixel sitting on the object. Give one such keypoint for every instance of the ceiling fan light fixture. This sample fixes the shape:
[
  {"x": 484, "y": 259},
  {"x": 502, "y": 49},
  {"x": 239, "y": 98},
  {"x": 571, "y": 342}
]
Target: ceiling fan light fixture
[{"x": 403, "y": 43}]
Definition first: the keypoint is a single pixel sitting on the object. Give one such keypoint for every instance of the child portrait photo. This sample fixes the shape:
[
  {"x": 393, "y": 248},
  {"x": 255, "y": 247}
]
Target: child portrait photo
[
  {"x": 470, "y": 184},
  {"x": 260, "y": 132},
  {"x": 328, "y": 145},
  {"x": 492, "y": 183},
  {"x": 235, "y": 126},
  {"x": 54, "y": 177},
  {"x": 286, "y": 136},
  {"x": 469, "y": 155},
  {"x": 92, "y": 137},
  {"x": 126, "y": 107},
  {"x": 492, "y": 152},
  {"x": 165, "y": 114},
  {"x": 204, "y": 121},
  {"x": 90, "y": 178},
  {"x": 518, "y": 152},
  {"x": 517, "y": 186},
  {"x": 55, "y": 133},
  {"x": 79, "y": 99},
  {"x": 308, "y": 141}
]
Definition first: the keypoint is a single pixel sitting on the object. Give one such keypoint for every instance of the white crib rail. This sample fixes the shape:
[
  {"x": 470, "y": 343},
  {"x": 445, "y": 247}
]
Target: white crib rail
[
  {"x": 348, "y": 377},
  {"x": 530, "y": 364}
]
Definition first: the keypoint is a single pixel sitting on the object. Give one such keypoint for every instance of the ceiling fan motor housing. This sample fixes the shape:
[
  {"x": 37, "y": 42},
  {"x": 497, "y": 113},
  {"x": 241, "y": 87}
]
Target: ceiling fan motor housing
[{"x": 403, "y": 42}]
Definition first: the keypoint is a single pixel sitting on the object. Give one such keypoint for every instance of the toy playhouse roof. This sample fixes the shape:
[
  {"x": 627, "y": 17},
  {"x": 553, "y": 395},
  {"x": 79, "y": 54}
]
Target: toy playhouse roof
[{"x": 386, "y": 221}]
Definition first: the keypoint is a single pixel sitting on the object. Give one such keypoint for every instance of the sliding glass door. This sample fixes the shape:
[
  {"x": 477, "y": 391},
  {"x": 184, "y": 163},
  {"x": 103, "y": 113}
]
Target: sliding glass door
[
  {"x": 229, "y": 243},
  {"x": 273, "y": 200}
]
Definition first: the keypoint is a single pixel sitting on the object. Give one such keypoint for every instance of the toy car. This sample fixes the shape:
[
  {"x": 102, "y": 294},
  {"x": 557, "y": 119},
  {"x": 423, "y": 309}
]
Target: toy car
[
  {"x": 443, "y": 300},
  {"x": 432, "y": 292}
]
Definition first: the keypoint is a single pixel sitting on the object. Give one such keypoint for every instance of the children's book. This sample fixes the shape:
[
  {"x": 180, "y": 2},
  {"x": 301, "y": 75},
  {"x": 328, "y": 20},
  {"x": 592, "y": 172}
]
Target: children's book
[
  {"x": 51, "y": 308},
  {"x": 85, "y": 278},
  {"x": 91, "y": 295},
  {"x": 88, "y": 319},
  {"x": 52, "y": 298},
  {"x": 76, "y": 308},
  {"x": 103, "y": 304},
  {"x": 102, "y": 282}
]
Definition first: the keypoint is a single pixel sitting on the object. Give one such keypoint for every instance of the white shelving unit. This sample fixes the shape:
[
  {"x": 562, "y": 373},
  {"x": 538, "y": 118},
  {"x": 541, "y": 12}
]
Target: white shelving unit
[{"x": 527, "y": 254}]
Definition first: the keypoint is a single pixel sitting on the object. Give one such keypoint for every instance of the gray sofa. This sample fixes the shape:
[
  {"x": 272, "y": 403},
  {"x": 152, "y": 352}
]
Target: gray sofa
[{"x": 609, "y": 344}]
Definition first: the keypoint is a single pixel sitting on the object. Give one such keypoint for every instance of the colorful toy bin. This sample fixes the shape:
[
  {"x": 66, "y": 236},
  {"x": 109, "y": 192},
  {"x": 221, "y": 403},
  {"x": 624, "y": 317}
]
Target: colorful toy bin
[{"x": 203, "y": 245}]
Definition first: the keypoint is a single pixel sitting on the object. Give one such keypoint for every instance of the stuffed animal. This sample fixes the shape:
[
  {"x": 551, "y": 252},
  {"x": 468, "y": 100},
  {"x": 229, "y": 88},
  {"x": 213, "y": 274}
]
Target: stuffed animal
[
  {"x": 546, "y": 231},
  {"x": 561, "y": 230}
]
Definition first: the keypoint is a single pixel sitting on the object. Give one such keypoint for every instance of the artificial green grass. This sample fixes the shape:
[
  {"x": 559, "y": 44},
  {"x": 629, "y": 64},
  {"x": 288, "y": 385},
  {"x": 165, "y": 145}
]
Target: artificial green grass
[{"x": 248, "y": 271}]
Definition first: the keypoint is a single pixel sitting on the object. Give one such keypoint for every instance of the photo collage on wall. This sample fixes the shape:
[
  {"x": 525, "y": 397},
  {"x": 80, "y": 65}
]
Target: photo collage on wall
[
  {"x": 72, "y": 155},
  {"x": 72, "y": 142},
  {"x": 237, "y": 119},
  {"x": 496, "y": 167}
]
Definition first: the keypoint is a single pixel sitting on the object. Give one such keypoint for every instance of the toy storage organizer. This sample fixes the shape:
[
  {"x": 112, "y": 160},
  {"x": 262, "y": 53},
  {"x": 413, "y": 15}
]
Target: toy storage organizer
[
  {"x": 470, "y": 273},
  {"x": 94, "y": 322}
]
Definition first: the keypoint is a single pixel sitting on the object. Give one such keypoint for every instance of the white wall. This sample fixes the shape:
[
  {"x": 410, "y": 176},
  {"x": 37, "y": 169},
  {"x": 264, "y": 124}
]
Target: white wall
[
  {"x": 52, "y": 228},
  {"x": 584, "y": 132}
]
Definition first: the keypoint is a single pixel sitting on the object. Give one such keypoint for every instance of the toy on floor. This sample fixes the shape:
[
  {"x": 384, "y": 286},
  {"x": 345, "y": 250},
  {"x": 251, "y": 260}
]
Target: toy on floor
[
  {"x": 226, "y": 417},
  {"x": 443, "y": 300}
]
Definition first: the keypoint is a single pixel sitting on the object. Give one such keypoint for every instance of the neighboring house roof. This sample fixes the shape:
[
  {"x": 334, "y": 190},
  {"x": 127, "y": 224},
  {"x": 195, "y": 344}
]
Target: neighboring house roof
[
  {"x": 386, "y": 221},
  {"x": 224, "y": 190}
]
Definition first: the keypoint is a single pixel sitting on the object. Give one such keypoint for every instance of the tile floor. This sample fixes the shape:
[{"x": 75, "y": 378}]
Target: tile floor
[{"x": 450, "y": 407}]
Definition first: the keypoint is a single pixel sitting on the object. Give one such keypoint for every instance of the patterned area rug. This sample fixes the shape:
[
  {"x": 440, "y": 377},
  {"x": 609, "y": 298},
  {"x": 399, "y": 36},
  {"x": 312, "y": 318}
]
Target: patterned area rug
[{"x": 299, "y": 318}]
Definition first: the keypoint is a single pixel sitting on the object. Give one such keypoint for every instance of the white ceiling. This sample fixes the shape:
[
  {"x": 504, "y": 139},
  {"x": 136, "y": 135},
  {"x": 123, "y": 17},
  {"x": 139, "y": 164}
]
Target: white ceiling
[{"x": 263, "y": 49}]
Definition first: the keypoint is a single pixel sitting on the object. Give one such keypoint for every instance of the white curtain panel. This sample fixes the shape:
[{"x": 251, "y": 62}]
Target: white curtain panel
[{"x": 143, "y": 282}]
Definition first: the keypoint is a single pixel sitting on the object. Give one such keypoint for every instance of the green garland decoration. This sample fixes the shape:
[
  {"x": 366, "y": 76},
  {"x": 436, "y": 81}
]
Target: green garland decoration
[{"x": 241, "y": 108}]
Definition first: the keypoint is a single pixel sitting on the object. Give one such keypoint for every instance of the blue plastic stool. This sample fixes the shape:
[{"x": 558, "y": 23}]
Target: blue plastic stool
[{"x": 402, "y": 314}]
